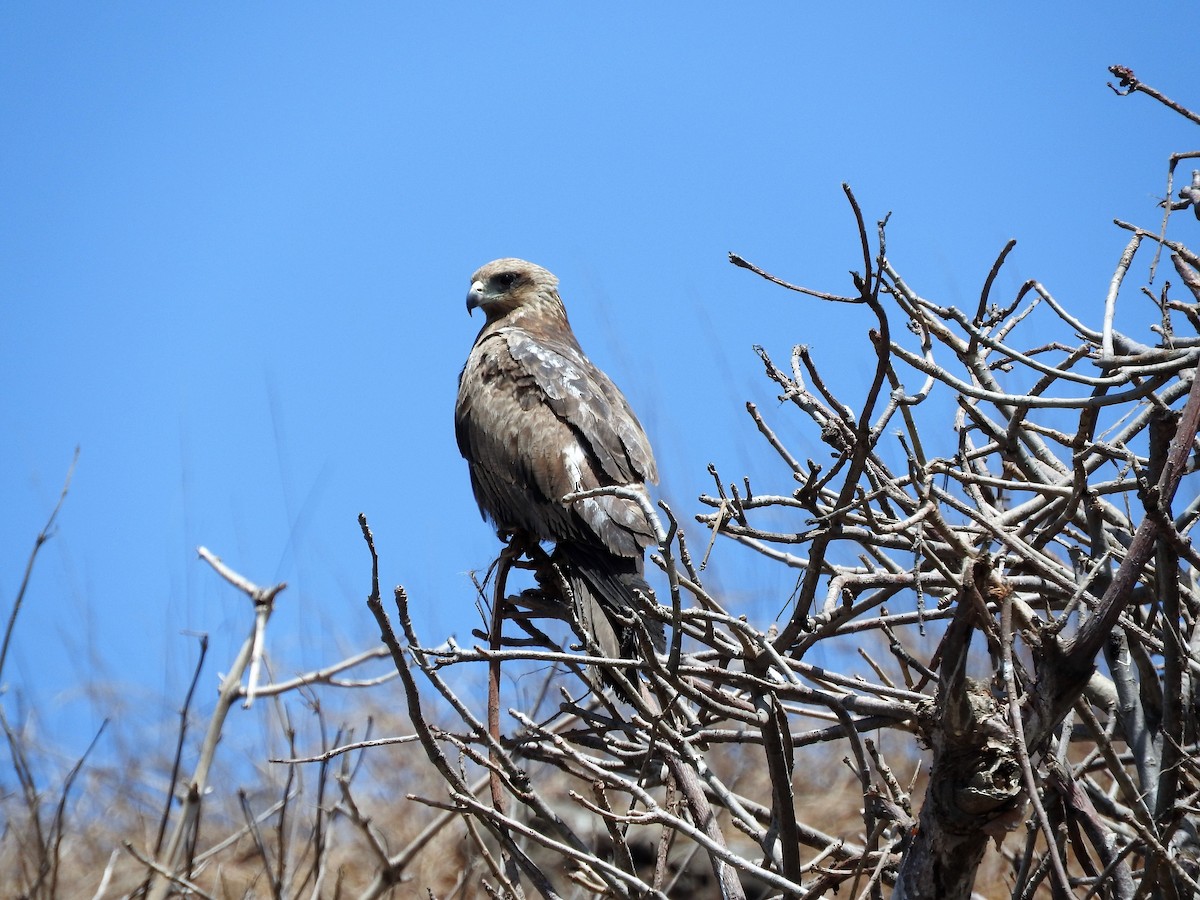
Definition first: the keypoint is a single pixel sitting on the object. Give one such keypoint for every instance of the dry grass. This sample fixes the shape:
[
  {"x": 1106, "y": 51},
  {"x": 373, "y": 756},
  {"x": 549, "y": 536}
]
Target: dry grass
[
  {"x": 114, "y": 809},
  {"x": 114, "y": 806}
]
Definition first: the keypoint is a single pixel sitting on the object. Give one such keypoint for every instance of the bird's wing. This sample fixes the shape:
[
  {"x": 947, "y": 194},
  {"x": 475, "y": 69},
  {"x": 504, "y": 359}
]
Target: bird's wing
[
  {"x": 583, "y": 396},
  {"x": 535, "y": 425},
  {"x": 605, "y": 446}
]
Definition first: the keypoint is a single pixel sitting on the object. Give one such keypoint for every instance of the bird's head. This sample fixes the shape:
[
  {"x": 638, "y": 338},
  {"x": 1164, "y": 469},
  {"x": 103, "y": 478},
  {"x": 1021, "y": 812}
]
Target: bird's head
[{"x": 504, "y": 285}]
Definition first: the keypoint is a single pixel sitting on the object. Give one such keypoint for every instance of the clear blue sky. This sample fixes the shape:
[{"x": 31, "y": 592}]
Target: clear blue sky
[{"x": 235, "y": 242}]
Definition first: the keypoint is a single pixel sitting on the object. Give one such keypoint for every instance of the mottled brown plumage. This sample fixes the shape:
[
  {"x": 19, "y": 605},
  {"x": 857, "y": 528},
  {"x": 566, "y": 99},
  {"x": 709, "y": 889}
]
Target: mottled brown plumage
[{"x": 536, "y": 420}]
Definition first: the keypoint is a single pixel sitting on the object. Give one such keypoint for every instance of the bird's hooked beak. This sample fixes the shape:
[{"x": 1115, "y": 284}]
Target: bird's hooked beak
[{"x": 476, "y": 297}]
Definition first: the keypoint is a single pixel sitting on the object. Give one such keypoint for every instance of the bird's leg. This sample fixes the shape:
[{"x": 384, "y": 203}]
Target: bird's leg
[
  {"x": 524, "y": 549},
  {"x": 518, "y": 552},
  {"x": 516, "y": 545},
  {"x": 552, "y": 596},
  {"x": 523, "y": 552},
  {"x": 544, "y": 571}
]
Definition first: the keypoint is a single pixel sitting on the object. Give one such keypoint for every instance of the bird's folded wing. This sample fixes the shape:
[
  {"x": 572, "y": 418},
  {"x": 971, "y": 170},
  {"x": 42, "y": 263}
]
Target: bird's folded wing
[{"x": 582, "y": 395}]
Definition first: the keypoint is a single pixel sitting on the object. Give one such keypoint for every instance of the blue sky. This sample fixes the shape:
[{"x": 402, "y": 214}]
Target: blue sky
[{"x": 235, "y": 243}]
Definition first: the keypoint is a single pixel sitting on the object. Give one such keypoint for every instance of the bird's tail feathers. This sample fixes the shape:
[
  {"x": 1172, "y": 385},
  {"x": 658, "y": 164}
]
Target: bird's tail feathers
[{"x": 603, "y": 586}]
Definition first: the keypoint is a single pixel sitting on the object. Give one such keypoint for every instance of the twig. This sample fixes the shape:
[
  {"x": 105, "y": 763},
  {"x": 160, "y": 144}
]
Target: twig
[
  {"x": 172, "y": 856},
  {"x": 44, "y": 535}
]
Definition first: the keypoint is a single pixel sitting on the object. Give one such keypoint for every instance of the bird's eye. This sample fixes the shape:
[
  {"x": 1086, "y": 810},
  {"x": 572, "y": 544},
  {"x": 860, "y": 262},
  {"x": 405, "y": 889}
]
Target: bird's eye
[{"x": 505, "y": 280}]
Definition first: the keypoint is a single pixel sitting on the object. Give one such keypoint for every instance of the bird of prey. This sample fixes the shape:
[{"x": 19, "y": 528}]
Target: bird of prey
[{"x": 536, "y": 421}]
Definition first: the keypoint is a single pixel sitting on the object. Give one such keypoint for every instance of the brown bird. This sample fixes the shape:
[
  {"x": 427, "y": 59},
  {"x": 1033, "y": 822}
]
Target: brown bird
[{"x": 536, "y": 420}]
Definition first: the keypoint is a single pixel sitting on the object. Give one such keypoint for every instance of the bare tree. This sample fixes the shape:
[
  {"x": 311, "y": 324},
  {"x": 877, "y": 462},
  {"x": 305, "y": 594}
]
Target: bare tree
[{"x": 1043, "y": 547}]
